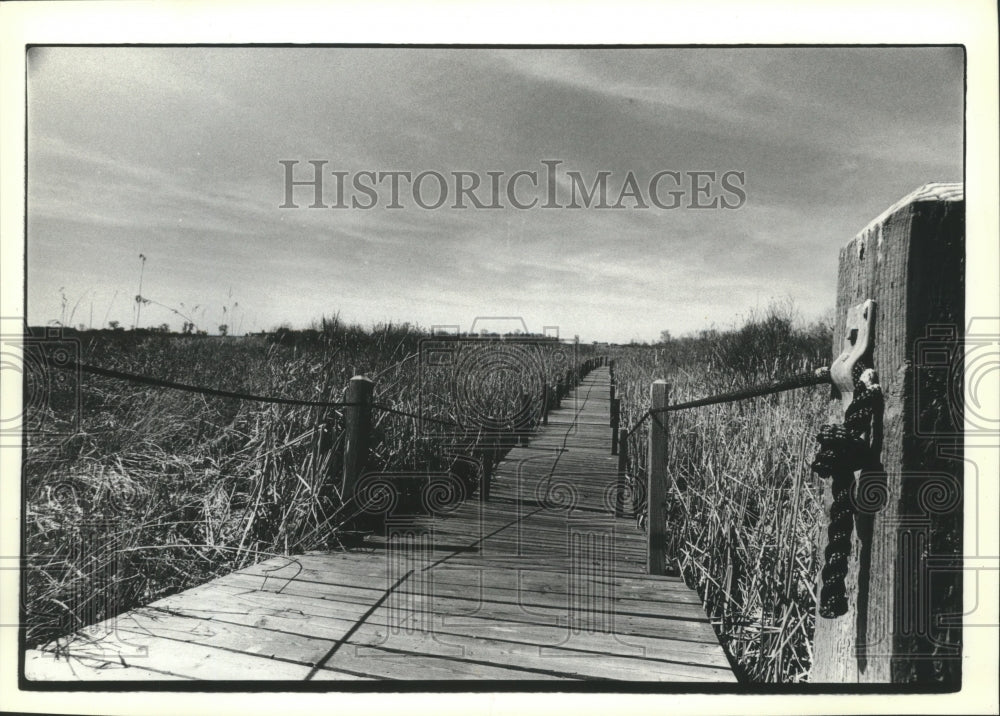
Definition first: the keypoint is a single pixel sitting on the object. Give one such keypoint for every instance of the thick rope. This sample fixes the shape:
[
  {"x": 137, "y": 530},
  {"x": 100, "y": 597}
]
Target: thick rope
[
  {"x": 638, "y": 423},
  {"x": 844, "y": 449},
  {"x": 173, "y": 385},
  {"x": 820, "y": 376}
]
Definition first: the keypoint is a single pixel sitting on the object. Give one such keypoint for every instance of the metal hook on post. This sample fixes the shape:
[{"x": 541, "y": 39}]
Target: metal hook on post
[
  {"x": 859, "y": 337},
  {"x": 845, "y": 451}
]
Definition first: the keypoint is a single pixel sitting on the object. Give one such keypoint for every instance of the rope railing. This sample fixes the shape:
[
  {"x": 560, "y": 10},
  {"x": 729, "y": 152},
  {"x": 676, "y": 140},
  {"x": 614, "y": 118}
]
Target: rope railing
[
  {"x": 405, "y": 414},
  {"x": 359, "y": 404},
  {"x": 630, "y": 453},
  {"x": 217, "y": 392},
  {"x": 174, "y": 385},
  {"x": 820, "y": 376},
  {"x": 637, "y": 424}
]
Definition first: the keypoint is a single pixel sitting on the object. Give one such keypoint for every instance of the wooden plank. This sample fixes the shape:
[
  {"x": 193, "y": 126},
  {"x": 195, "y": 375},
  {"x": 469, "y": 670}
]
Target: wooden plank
[
  {"x": 504, "y": 601},
  {"x": 45, "y": 666},
  {"x": 680, "y": 621},
  {"x": 326, "y": 569},
  {"x": 168, "y": 656},
  {"x": 282, "y": 651},
  {"x": 314, "y": 617},
  {"x": 413, "y": 666},
  {"x": 304, "y": 599},
  {"x": 550, "y": 660}
]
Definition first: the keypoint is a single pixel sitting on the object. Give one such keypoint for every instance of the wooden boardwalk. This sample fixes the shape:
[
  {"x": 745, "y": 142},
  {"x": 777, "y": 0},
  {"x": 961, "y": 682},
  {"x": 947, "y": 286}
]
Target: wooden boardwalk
[{"x": 542, "y": 582}]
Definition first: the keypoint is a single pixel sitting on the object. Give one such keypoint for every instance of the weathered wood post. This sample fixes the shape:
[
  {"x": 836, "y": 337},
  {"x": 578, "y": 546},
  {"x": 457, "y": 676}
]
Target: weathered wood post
[
  {"x": 525, "y": 421},
  {"x": 490, "y": 448},
  {"x": 357, "y": 431},
  {"x": 656, "y": 480},
  {"x": 479, "y": 458},
  {"x": 485, "y": 451},
  {"x": 615, "y": 417},
  {"x": 904, "y": 581},
  {"x": 330, "y": 426},
  {"x": 611, "y": 404},
  {"x": 622, "y": 468},
  {"x": 560, "y": 391}
]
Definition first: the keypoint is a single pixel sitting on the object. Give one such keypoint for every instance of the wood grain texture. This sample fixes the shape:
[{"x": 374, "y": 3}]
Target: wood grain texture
[
  {"x": 357, "y": 428},
  {"x": 541, "y": 582},
  {"x": 656, "y": 487},
  {"x": 911, "y": 261}
]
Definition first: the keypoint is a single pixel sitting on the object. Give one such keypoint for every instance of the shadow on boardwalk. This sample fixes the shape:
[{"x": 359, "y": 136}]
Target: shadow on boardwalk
[{"x": 541, "y": 582}]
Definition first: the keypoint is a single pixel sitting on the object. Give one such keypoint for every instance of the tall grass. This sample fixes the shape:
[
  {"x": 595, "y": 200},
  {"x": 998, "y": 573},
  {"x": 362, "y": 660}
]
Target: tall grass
[
  {"x": 742, "y": 509},
  {"x": 158, "y": 490}
]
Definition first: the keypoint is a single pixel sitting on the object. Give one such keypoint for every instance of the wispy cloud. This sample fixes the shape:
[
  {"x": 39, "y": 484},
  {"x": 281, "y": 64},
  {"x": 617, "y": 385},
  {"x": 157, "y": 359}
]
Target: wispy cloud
[{"x": 175, "y": 152}]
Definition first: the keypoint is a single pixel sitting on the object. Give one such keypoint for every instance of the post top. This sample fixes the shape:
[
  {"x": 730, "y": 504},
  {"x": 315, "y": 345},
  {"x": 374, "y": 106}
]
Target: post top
[
  {"x": 938, "y": 191},
  {"x": 362, "y": 377}
]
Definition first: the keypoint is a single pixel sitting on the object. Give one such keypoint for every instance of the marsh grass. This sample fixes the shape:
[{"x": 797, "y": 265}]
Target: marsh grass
[
  {"x": 743, "y": 505},
  {"x": 158, "y": 490}
]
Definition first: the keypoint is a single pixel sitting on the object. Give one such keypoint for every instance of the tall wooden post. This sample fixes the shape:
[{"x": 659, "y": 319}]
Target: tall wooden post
[
  {"x": 484, "y": 452},
  {"x": 490, "y": 447},
  {"x": 622, "y": 468},
  {"x": 526, "y": 419},
  {"x": 656, "y": 476},
  {"x": 615, "y": 418},
  {"x": 489, "y": 463},
  {"x": 357, "y": 430},
  {"x": 904, "y": 584}
]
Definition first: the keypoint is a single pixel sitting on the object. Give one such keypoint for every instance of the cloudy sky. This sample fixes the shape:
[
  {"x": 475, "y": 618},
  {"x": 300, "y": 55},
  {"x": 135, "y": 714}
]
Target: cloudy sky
[{"x": 174, "y": 153}]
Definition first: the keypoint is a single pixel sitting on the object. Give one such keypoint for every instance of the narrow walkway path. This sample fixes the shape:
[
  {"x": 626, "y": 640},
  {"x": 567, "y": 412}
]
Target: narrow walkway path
[{"x": 541, "y": 582}]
